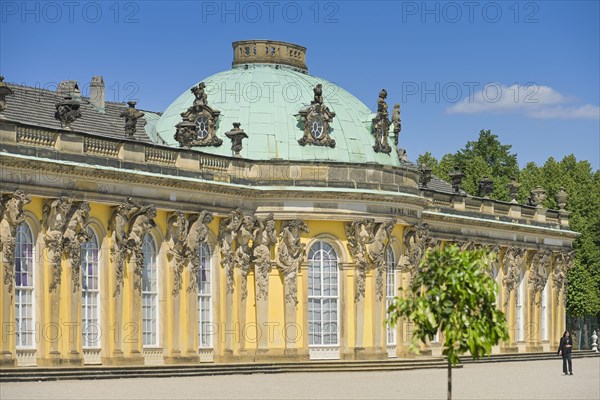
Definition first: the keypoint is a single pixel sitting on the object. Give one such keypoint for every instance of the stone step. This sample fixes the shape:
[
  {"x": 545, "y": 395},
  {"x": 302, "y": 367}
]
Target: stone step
[
  {"x": 226, "y": 365},
  {"x": 35, "y": 374},
  {"x": 511, "y": 357},
  {"x": 115, "y": 372}
]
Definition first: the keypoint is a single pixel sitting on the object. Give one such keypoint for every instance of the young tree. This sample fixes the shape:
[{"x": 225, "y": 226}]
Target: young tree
[{"x": 452, "y": 293}]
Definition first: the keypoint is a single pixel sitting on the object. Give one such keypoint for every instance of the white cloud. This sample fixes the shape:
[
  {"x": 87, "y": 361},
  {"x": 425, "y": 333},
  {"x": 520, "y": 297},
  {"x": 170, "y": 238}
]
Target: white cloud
[
  {"x": 587, "y": 111},
  {"x": 531, "y": 100}
]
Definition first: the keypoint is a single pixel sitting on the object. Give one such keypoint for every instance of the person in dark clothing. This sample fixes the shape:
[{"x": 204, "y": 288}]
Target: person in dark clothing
[{"x": 564, "y": 349}]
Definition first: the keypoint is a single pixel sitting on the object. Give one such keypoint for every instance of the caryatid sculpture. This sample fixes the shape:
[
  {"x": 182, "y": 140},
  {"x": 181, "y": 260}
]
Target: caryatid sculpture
[
  {"x": 513, "y": 260},
  {"x": 140, "y": 225},
  {"x": 359, "y": 234},
  {"x": 417, "y": 241},
  {"x": 264, "y": 238},
  {"x": 177, "y": 230},
  {"x": 197, "y": 234},
  {"x": 73, "y": 238},
  {"x": 228, "y": 228},
  {"x": 538, "y": 275},
  {"x": 11, "y": 215},
  {"x": 376, "y": 251},
  {"x": 243, "y": 253},
  {"x": 290, "y": 253},
  {"x": 119, "y": 225},
  {"x": 185, "y": 234},
  {"x": 54, "y": 220}
]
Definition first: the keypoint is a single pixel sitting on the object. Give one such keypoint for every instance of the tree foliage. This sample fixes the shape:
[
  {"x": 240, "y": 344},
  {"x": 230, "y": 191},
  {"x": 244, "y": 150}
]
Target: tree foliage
[
  {"x": 487, "y": 156},
  {"x": 453, "y": 294},
  {"x": 484, "y": 157}
]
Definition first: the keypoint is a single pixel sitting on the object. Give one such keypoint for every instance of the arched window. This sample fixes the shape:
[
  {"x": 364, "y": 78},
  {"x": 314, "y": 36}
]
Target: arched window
[
  {"x": 150, "y": 292},
  {"x": 204, "y": 298},
  {"x": 390, "y": 291},
  {"x": 90, "y": 291},
  {"x": 24, "y": 296},
  {"x": 323, "y": 295}
]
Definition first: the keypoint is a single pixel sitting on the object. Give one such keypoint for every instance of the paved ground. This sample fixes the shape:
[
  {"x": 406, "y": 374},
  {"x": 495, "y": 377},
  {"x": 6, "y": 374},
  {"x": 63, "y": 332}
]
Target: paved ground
[{"x": 516, "y": 380}]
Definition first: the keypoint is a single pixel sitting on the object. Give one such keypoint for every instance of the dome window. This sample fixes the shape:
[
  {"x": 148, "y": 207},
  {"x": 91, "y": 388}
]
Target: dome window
[
  {"x": 202, "y": 124},
  {"x": 316, "y": 118},
  {"x": 316, "y": 128},
  {"x": 198, "y": 125}
]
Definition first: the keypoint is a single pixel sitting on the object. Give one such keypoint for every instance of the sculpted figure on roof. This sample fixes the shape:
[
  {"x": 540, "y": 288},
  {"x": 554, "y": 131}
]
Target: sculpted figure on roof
[
  {"x": 198, "y": 127},
  {"x": 381, "y": 125},
  {"x": 317, "y": 119}
]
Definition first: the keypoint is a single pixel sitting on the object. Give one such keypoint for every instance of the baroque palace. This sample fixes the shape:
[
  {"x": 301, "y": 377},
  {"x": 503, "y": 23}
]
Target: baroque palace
[{"x": 266, "y": 214}]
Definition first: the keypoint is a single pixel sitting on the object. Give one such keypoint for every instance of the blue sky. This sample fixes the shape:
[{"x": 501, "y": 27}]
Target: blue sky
[{"x": 529, "y": 71}]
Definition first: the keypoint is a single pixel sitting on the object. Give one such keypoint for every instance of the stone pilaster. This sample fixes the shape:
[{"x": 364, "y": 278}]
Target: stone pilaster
[
  {"x": 11, "y": 215},
  {"x": 135, "y": 341},
  {"x": 289, "y": 256},
  {"x": 75, "y": 354},
  {"x": 7, "y": 342},
  {"x": 192, "y": 326},
  {"x": 242, "y": 300},
  {"x": 175, "y": 350}
]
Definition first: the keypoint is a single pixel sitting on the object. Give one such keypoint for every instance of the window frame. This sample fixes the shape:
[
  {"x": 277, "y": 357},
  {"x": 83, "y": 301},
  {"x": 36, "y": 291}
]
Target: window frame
[
  {"x": 149, "y": 238},
  {"x": 87, "y": 247},
  {"x": 321, "y": 297},
  {"x": 390, "y": 293},
  {"x": 205, "y": 254},
  {"x": 30, "y": 288}
]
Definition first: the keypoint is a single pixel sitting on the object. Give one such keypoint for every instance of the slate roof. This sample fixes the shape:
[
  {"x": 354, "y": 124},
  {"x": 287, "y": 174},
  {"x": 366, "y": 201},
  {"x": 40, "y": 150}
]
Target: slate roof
[
  {"x": 436, "y": 184},
  {"x": 36, "y": 106}
]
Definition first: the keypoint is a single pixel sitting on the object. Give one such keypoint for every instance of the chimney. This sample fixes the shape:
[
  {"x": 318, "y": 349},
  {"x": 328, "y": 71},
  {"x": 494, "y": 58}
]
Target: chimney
[
  {"x": 68, "y": 88},
  {"x": 97, "y": 93}
]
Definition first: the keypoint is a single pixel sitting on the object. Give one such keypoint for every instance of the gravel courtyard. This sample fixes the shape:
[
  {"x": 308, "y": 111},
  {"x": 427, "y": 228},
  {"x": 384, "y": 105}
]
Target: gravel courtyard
[{"x": 515, "y": 380}]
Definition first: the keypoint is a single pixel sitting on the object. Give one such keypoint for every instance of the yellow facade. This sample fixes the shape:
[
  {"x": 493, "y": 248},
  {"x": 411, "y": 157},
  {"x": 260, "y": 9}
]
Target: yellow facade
[
  {"x": 281, "y": 246},
  {"x": 60, "y": 343}
]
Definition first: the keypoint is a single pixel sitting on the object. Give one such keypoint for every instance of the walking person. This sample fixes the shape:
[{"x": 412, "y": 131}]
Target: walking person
[{"x": 564, "y": 349}]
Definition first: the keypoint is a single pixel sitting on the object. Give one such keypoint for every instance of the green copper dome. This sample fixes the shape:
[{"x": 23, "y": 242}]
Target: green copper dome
[{"x": 266, "y": 99}]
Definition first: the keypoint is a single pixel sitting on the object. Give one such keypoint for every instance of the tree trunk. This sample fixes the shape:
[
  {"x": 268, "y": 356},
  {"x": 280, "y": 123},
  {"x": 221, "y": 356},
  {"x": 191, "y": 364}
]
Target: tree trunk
[{"x": 449, "y": 380}]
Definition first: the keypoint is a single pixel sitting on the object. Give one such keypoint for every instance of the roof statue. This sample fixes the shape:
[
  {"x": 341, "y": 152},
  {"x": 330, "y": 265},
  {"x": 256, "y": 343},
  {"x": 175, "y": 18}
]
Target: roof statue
[
  {"x": 67, "y": 111},
  {"x": 199, "y": 120},
  {"x": 131, "y": 116},
  {"x": 381, "y": 125},
  {"x": 236, "y": 135},
  {"x": 317, "y": 119}
]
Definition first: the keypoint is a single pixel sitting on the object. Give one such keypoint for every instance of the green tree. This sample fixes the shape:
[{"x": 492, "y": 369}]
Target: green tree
[
  {"x": 582, "y": 292},
  {"x": 452, "y": 294},
  {"x": 441, "y": 168},
  {"x": 485, "y": 156},
  {"x": 583, "y": 186},
  {"x": 428, "y": 160}
]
